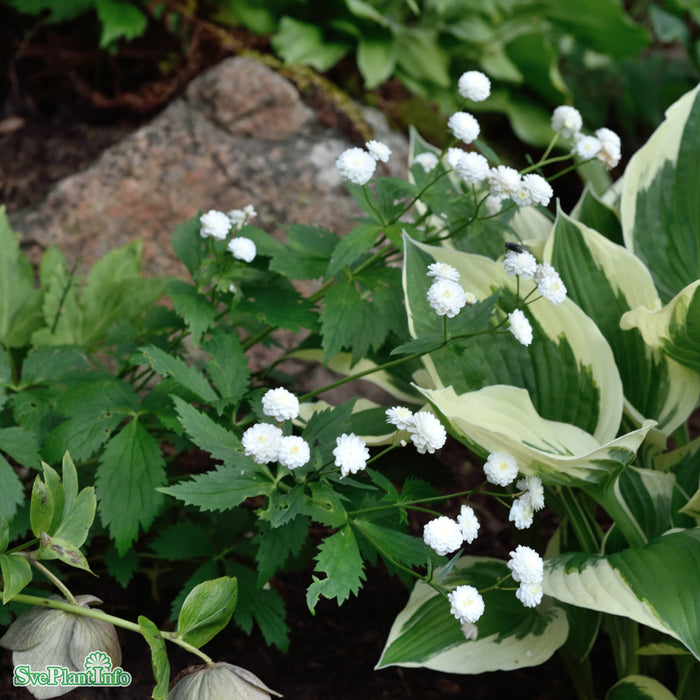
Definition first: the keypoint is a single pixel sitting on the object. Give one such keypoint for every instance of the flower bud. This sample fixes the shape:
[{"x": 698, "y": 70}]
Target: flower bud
[
  {"x": 44, "y": 637},
  {"x": 221, "y": 681}
]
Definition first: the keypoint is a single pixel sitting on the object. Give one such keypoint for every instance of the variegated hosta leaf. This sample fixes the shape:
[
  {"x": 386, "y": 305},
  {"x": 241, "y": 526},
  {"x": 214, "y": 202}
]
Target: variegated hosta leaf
[
  {"x": 639, "y": 688},
  {"x": 568, "y": 370},
  {"x": 660, "y": 205},
  {"x": 606, "y": 281},
  {"x": 685, "y": 465},
  {"x": 656, "y": 585},
  {"x": 510, "y": 636},
  {"x": 503, "y": 418},
  {"x": 674, "y": 329}
]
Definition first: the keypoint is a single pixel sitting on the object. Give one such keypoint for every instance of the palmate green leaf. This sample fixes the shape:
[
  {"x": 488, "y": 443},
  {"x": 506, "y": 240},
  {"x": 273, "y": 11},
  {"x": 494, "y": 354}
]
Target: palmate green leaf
[
  {"x": 45, "y": 363},
  {"x": 607, "y": 281},
  {"x": 352, "y": 245},
  {"x": 673, "y": 329},
  {"x": 207, "y": 610},
  {"x": 19, "y": 300},
  {"x": 67, "y": 552},
  {"x": 425, "y": 634},
  {"x": 277, "y": 303},
  {"x": 16, "y": 574},
  {"x": 187, "y": 243},
  {"x": 393, "y": 545},
  {"x": 569, "y": 370},
  {"x": 637, "y": 687},
  {"x": 78, "y": 518},
  {"x": 503, "y": 418},
  {"x": 340, "y": 559},
  {"x": 228, "y": 367},
  {"x": 130, "y": 470},
  {"x": 22, "y": 445},
  {"x": 660, "y": 208},
  {"x": 41, "y": 508},
  {"x": 159, "y": 657},
  {"x": 621, "y": 584}
]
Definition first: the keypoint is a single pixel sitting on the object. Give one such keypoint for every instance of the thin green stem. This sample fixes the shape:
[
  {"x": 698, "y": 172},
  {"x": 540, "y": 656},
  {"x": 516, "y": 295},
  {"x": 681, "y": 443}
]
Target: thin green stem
[
  {"x": 53, "y": 578},
  {"x": 76, "y": 609}
]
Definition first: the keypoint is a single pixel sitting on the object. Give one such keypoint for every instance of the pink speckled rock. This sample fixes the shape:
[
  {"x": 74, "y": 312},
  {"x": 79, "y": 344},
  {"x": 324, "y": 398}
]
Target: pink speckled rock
[{"x": 241, "y": 134}]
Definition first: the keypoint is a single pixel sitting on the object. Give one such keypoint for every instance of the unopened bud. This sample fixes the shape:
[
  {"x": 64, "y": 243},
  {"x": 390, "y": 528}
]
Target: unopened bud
[{"x": 221, "y": 681}]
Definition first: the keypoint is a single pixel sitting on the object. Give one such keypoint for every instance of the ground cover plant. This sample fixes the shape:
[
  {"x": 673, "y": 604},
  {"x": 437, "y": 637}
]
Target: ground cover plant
[{"x": 560, "y": 348}]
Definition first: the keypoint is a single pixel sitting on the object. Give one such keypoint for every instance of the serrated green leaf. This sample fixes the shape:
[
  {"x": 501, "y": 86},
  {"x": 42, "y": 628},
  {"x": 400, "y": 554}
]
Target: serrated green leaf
[
  {"x": 183, "y": 541},
  {"x": 130, "y": 471},
  {"x": 159, "y": 657},
  {"x": 94, "y": 410},
  {"x": 307, "y": 253},
  {"x": 46, "y": 363},
  {"x": 277, "y": 303},
  {"x": 424, "y": 344},
  {"x": 510, "y": 636},
  {"x": 195, "y": 309},
  {"x": 207, "y": 610},
  {"x": 284, "y": 507},
  {"x": 339, "y": 558},
  {"x": 122, "y": 569},
  {"x": 325, "y": 505},
  {"x": 228, "y": 368},
  {"x": 221, "y": 489},
  {"x": 393, "y": 545},
  {"x": 16, "y": 574},
  {"x": 187, "y": 243},
  {"x": 325, "y": 426},
  {"x": 277, "y": 544},
  {"x": 187, "y": 377},
  {"x": 351, "y": 246},
  {"x": 265, "y": 606},
  {"x": 22, "y": 445},
  {"x": 210, "y": 436}
]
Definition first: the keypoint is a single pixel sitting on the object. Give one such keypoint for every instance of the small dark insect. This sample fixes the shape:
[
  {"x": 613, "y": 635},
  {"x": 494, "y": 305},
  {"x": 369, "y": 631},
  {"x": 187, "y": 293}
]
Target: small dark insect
[{"x": 514, "y": 247}]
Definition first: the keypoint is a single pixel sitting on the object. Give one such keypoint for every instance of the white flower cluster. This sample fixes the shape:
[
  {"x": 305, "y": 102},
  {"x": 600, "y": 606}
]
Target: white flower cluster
[
  {"x": 605, "y": 144},
  {"x": 445, "y": 535},
  {"x": 474, "y": 85},
  {"x": 531, "y": 500},
  {"x": 266, "y": 443},
  {"x": 466, "y": 604},
  {"x": 351, "y": 454},
  {"x": 527, "y": 569},
  {"x": 506, "y": 183},
  {"x": 357, "y": 165},
  {"x": 522, "y": 263},
  {"x": 501, "y": 469},
  {"x": 427, "y": 433},
  {"x": 445, "y": 295},
  {"x": 216, "y": 224}
]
